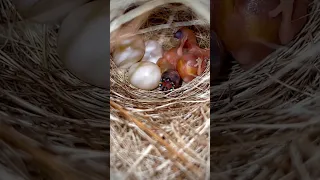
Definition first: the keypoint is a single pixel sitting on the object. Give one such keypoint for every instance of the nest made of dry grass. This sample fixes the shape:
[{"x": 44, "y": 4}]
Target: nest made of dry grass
[
  {"x": 265, "y": 122},
  {"x": 52, "y": 126},
  {"x": 156, "y": 135}
]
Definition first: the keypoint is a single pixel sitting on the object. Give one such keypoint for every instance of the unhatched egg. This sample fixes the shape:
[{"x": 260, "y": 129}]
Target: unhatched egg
[
  {"x": 128, "y": 51},
  {"x": 153, "y": 51},
  {"x": 145, "y": 75}
]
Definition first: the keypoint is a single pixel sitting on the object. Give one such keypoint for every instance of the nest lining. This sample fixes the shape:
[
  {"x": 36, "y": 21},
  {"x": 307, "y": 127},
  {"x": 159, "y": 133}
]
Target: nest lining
[{"x": 181, "y": 117}]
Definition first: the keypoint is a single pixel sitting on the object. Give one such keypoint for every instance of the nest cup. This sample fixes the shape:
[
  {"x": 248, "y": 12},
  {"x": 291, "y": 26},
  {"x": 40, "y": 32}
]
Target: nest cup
[
  {"x": 52, "y": 125},
  {"x": 180, "y": 117},
  {"x": 264, "y": 122}
]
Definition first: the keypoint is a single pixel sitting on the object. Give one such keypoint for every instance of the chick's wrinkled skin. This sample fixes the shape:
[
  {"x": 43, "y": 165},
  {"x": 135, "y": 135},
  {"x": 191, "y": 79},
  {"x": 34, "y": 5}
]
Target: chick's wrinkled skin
[{"x": 193, "y": 62}]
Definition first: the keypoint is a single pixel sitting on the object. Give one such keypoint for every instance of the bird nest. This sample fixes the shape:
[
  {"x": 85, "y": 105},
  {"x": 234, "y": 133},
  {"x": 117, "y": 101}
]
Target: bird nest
[
  {"x": 52, "y": 125},
  {"x": 264, "y": 122},
  {"x": 157, "y": 135}
]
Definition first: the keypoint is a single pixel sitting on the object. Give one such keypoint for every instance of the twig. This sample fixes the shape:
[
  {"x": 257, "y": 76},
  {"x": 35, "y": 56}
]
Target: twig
[
  {"x": 46, "y": 161},
  {"x": 297, "y": 162},
  {"x": 171, "y": 25},
  {"x": 312, "y": 121},
  {"x": 195, "y": 5},
  {"x": 189, "y": 166}
]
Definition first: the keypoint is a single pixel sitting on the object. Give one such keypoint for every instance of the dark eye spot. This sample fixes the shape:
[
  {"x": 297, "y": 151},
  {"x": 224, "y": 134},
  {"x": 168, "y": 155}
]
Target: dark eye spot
[{"x": 178, "y": 34}]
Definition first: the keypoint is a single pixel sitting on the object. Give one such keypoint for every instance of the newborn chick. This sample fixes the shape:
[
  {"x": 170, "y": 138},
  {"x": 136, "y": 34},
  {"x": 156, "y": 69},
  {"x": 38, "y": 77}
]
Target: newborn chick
[
  {"x": 170, "y": 58},
  {"x": 193, "y": 61},
  {"x": 170, "y": 78},
  {"x": 191, "y": 42}
]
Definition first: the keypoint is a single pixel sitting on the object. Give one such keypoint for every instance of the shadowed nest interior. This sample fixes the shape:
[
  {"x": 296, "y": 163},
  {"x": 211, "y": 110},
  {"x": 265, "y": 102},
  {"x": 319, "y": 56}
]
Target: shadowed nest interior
[{"x": 265, "y": 122}]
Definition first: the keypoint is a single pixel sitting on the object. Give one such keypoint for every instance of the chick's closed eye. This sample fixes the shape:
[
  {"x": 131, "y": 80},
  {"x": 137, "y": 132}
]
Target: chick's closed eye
[{"x": 178, "y": 34}]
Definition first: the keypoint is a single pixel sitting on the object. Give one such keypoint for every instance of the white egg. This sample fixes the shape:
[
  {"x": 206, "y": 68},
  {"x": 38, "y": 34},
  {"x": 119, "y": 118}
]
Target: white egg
[
  {"x": 145, "y": 75},
  {"x": 47, "y": 11},
  {"x": 128, "y": 51},
  {"x": 83, "y": 43},
  {"x": 153, "y": 51}
]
